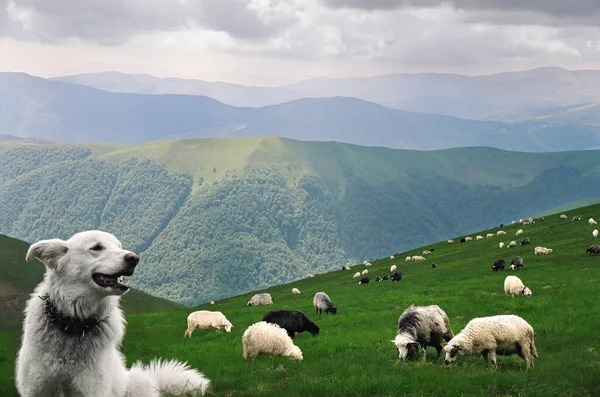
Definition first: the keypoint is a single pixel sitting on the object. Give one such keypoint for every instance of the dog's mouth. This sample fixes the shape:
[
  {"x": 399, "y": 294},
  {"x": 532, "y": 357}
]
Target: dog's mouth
[{"x": 112, "y": 280}]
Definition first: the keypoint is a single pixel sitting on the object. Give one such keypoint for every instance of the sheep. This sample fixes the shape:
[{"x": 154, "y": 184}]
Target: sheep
[
  {"x": 433, "y": 266},
  {"x": 408, "y": 258},
  {"x": 392, "y": 257},
  {"x": 489, "y": 235},
  {"x": 267, "y": 338},
  {"x": 296, "y": 291},
  {"x": 463, "y": 240},
  {"x": 512, "y": 222},
  {"x": 311, "y": 276},
  {"x": 498, "y": 265},
  {"x": 592, "y": 222},
  {"x": 500, "y": 232},
  {"x": 368, "y": 264},
  {"x": 501, "y": 225},
  {"x": 365, "y": 272},
  {"x": 516, "y": 263},
  {"x": 424, "y": 326},
  {"x": 364, "y": 280},
  {"x": 542, "y": 219},
  {"x": 204, "y": 319},
  {"x": 418, "y": 258},
  {"x": 293, "y": 321},
  {"x": 519, "y": 232},
  {"x": 512, "y": 244},
  {"x": 525, "y": 241},
  {"x": 426, "y": 252},
  {"x": 503, "y": 334},
  {"x": 396, "y": 276},
  {"x": 356, "y": 275},
  {"x": 595, "y": 233},
  {"x": 321, "y": 302},
  {"x": 514, "y": 286},
  {"x": 563, "y": 216},
  {"x": 212, "y": 303},
  {"x": 377, "y": 279},
  {"x": 478, "y": 237},
  {"x": 593, "y": 249},
  {"x": 542, "y": 251},
  {"x": 576, "y": 218},
  {"x": 393, "y": 268},
  {"x": 365, "y": 263},
  {"x": 521, "y": 220},
  {"x": 261, "y": 299},
  {"x": 468, "y": 238},
  {"x": 450, "y": 241},
  {"x": 501, "y": 244}
]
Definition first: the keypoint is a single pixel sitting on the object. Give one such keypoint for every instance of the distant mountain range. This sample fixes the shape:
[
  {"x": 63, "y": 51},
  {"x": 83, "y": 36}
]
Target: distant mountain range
[
  {"x": 444, "y": 94},
  {"x": 65, "y": 112}
]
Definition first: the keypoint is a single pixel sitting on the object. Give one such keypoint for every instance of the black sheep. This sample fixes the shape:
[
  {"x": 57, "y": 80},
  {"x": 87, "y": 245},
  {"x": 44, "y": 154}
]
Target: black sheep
[
  {"x": 525, "y": 241},
  {"x": 293, "y": 321},
  {"x": 377, "y": 279},
  {"x": 463, "y": 240},
  {"x": 516, "y": 263},
  {"x": 364, "y": 280},
  {"x": 498, "y": 265},
  {"x": 433, "y": 265},
  {"x": 386, "y": 277},
  {"x": 396, "y": 276},
  {"x": 593, "y": 249}
]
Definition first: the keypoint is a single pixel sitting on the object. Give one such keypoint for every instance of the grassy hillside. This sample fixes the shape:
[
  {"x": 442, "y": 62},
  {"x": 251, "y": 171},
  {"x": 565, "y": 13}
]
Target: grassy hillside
[
  {"x": 352, "y": 356},
  {"x": 18, "y": 279},
  {"x": 236, "y": 215}
]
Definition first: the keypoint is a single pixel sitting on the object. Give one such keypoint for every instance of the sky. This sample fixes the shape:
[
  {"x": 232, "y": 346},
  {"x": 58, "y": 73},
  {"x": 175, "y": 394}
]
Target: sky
[{"x": 273, "y": 42}]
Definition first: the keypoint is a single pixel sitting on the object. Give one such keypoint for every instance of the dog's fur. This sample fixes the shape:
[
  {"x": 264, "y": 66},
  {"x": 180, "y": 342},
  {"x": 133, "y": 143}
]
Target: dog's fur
[{"x": 73, "y": 327}]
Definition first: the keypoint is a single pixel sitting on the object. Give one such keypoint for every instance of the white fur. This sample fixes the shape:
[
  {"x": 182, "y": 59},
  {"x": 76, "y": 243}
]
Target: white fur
[
  {"x": 450, "y": 241},
  {"x": 267, "y": 338},
  {"x": 295, "y": 291},
  {"x": 54, "y": 363},
  {"x": 392, "y": 258},
  {"x": 501, "y": 245},
  {"x": 563, "y": 216},
  {"x": 519, "y": 232},
  {"x": 468, "y": 238},
  {"x": 365, "y": 272},
  {"x": 426, "y": 252},
  {"x": 356, "y": 275},
  {"x": 542, "y": 251},
  {"x": 504, "y": 335},
  {"x": 311, "y": 276},
  {"x": 512, "y": 244},
  {"x": 595, "y": 233},
  {"x": 500, "y": 232},
  {"x": 478, "y": 237},
  {"x": 489, "y": 235},
  {"x": 205, "y": 319},
  {"x": 393, "y": 268},
  {"x": 260, "y": 299},
  {"x": 368, "y": 264},
  {"x": 514, "y": 286},
  {"x": 592, "y": 222},
  {"x": 418, "y": 258},
  {"x": 408, "y": 258}
]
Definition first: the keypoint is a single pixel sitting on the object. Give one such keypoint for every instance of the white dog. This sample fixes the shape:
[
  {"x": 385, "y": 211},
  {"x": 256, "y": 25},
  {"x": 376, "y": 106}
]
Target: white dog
[{"x": 73, "y": 327}]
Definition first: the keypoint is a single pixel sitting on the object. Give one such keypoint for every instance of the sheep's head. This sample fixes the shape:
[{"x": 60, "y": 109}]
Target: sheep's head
[
  {"x": 227, "y": 325},
  {"x": 452, "y": 350},
  {"x": 406, "y": 347},
  {"x": 526, "y": 292},
  {"x": 294, "y": 352}
]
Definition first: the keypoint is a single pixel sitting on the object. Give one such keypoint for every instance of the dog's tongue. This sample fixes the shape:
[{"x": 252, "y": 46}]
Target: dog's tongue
[{"x": 109, "y": 281}]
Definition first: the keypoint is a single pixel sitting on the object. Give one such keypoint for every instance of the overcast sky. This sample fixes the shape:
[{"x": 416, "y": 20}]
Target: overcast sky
[{"x": 268, "y": 42}]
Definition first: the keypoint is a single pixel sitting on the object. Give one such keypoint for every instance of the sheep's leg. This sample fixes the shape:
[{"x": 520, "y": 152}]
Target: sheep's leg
[
  {"x": 484, "y": 354},
  {"x": 188, "y": 331},
  {"x": 424, "y": 353},
  {"x": 438, "y": 348},
  {"x": 525, "y": 354},
  {"x": 493, "y": 357}
]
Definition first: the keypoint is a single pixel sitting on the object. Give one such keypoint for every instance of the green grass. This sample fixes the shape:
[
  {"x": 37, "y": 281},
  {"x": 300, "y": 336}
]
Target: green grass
[{"x": 353, "y": 356}]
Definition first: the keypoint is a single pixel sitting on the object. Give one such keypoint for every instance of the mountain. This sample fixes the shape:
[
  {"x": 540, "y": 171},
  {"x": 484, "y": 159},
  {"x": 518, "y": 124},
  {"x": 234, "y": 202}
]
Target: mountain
[
  {"x": 66, "y": 112},
  {"x": 213, "y": 218},
  {"x": 562, "y": 311},
  {"x": 444, "y": 94},
  {"x": 18, "y": 280}
]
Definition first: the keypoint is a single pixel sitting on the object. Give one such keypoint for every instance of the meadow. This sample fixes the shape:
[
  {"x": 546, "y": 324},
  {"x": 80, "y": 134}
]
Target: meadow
[{"x": 353, "y": 355}]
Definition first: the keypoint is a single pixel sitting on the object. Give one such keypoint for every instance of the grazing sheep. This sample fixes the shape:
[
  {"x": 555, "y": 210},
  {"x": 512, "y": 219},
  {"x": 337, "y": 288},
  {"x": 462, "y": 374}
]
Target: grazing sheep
[
  {"x": 418, "y": 258},
  {"x": 345, "y": 268},
  {"x": 433, "y": 266},
  {"x": 393, "y": 268},
  {"x": 595, "y": 233},
  {"x": 212, "y": 303},
  {"x": 267, "y": 338},
  {"x": 365, "y": 262},
  {"x": 525, "y": 241},
  {"x": 392, "y": 257},
  {"x": 501, "y": 245},
  {"x": 478, "y": 237},
  {"x": 498, "y": 265},
  {"x": 563, "y": 216},
  {"x": 592, "y": 222},
  {"x": 311, "y": 276},
  {"x": 500, "y": 232},
  {"x": 516, "y": 263},
  {"x": 468, "y": 238},
  {"x": 377, "y": 279},
  {"x": 593, "y": 249},
  {"x": 408, "y": 258},
  {"x": 521, "y": 220},
  {"x": 365, "y": 272},
  {"x": 386, "y": 277},
  {"x": 450, "y": 241},
  {"x": 364, "y": 280},
  {"x": 501, "y": 225},
  {"x": 519, "y": 232},
  {"x": 293, "y": 321},
  {"x": 512, "y": 244},
  {"x": 426, "y": 252},
  {"x": 514, "y": 286},
  {"x": 463, "y": 240},
  {"x": 321, "y": 302},
  {"x": 576, "y": 218},
  {"x": 542, "y": 250},
  {"x": 396, "y": 276},
  {"x": 489, "y": 235},
  {"x": 296, "y": 291},
  {"x": 368, "y": 264},
  {"x": 204, "y": 319},
  {"x": 542, "y": 219},
  {"x": 424, "y": 326},
  {"x": 503, "y": 335},
  {"x": 261, "y": 299},
  {"x": 512, "y": 222},
  {"x": 356, "y": 275}
]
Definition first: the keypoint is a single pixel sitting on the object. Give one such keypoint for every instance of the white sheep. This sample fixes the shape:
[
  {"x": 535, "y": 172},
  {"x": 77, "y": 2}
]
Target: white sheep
[
  {"x": 393, "y": 268},
  {"x": 521, "y": 220},
  {"x": 514, "y": 286},
  {"x": 500, "y": 232},
  {"x": 418, "y": 258},
  {"x": 468, "y": 238},
  {"x": 426, "y": 252},
  {"x": 542, "y": 251},
  {"x": 408, "y": 258},
  {"x": 592, "y": 222},
  {"x": 519, "y": 232},
  {"x": 392, "y": 258},
  {"x": 311, "y": 276},
  {"x": 595, "y": 233},
  {"x": 563, "y": 216},
  {"x": 205, "y": 319},
  {"x": 504, "y": 335},
  {"x": 296, "y": 291},
  {"x": 478, "y": 237},
  {"x": 212, "y": 302},
  {"x": 450, "y": 241},
  {"x": 260, "y": 299},
  {"x": 365, "y": 272},
  {"x": 365, "y": 262},
  {"x": 512, "y": 244},
  {"x": 368, "y": 264},
  {"x": 513, "y": 222},
  {"x": 268, "y": 338},
  {"x": 489, "y": 235},
  {"x": 501, "y": 245},
  {"x": 356, "y": 275}
]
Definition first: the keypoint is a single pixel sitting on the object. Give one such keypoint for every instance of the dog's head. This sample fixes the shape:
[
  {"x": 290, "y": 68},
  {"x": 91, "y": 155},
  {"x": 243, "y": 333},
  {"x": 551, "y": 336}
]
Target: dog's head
[{"x": 88, "y": 261}]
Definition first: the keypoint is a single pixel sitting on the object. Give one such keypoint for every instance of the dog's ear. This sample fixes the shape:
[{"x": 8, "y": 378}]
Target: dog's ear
[{"x": 47, "y": 251}]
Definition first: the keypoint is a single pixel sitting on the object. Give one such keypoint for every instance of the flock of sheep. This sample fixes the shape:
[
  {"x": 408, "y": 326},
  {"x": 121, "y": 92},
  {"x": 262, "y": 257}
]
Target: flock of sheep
[{"x": 418, "y": 326}]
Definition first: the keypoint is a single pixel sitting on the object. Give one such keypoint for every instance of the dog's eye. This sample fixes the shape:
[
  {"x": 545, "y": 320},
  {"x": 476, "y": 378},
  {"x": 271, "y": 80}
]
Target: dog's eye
[{"x": 97, "y": 247}]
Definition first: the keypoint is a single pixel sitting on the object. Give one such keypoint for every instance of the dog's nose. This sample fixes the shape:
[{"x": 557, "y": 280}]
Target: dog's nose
[{"x": 132, "y": 259}]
